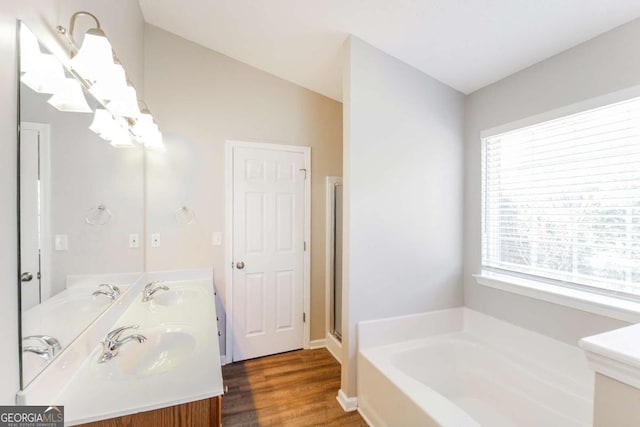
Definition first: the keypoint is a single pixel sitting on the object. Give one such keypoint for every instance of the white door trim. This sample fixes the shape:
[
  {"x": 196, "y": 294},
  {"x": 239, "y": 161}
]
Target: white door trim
[
  {"x": 230, "y": 145},
  {"x": 45, "y": 205}
]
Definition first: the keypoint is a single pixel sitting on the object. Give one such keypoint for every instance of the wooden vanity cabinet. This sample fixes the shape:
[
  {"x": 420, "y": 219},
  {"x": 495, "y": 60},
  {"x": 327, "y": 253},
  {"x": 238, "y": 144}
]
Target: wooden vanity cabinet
[{"x": 201, "y": 413}]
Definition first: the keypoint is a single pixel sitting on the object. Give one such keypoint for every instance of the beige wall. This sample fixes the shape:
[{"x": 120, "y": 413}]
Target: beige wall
[
  {"x": 616, "y": 404},
  {"x": 201, "y": 99},
  {"x": 123, "y": 23}
]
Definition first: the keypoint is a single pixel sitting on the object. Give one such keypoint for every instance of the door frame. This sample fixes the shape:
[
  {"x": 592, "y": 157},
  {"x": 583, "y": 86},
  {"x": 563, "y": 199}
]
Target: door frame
[
  {"x": 230, "y": 146},
  {"x": 44, "y": 167}
]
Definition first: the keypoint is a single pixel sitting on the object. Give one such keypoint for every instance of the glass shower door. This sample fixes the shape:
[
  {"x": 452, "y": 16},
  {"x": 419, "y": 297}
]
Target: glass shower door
[{"x": 337, "y": 261}]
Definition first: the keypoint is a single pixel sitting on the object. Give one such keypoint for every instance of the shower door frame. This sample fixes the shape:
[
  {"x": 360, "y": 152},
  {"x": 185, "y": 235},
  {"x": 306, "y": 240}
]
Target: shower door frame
[{"x": 333, "y": 344}]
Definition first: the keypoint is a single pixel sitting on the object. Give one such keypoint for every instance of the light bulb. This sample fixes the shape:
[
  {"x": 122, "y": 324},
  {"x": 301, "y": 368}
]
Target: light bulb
[
  {"x": 103, "y": 123},
  {"x": 153, "y": 141},
  {"x": 111, "y": 81},
  {"x": 69, "y": 97},
  {"x": 144, "y": 125},
  {"x": 29, "y": 50},
  {"x": 120, "y": 136},
  {"x": 94, "y": 55},
  {"x": 46, "y": 76},
  {"x": 125, "y": 104}
]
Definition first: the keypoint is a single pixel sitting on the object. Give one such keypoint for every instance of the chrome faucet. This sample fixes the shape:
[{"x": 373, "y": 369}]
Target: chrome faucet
[
  {"x": 113, "y": 291},
  {"x": 50, "y": 348},
  {"x": 152, "y": 288},
  {"x": 112, "y": 343}
]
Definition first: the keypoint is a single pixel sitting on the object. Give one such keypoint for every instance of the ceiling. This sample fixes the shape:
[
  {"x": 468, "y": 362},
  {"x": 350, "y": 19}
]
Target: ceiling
[{"x": 466, "y": 44}]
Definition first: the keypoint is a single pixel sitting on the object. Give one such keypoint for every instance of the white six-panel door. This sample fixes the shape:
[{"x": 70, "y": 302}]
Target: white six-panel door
[{"x": 268, "y": 251}]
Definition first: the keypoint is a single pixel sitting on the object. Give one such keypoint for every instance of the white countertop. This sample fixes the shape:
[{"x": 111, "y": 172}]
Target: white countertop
[
  {"x": 616, "y": 354},
  {"x": 139, "y": 379}
]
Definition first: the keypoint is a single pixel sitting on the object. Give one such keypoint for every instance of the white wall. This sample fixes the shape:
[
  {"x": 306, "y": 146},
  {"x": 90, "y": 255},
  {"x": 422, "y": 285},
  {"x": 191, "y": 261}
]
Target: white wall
[
  {"x": 123, "y": 22},
  {"x": 403, "y": 153},
  {"x": 602, "y": 65},
  {"x": 202, "y": 98}
]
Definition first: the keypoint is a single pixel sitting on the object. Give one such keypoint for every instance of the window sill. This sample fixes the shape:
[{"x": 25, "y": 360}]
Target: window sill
[{"x": 616, "y": 308}]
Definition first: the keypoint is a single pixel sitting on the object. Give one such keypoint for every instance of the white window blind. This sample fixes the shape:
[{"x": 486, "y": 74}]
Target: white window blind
[{"x": 561, "y": 199}]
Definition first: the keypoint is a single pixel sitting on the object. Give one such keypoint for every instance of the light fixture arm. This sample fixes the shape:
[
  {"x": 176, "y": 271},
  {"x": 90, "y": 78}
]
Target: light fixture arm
[{"x": 72, "y": 22}]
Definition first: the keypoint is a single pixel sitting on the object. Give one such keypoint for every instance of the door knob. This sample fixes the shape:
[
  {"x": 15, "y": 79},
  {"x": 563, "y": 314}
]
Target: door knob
[
  {"x": 26, "y": 277},
  {"x": 240, "y": 265}
]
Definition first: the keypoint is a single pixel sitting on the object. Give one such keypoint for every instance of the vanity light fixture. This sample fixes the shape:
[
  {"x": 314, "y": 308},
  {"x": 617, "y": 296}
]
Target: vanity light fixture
[
  {"x": 154, "y": 141},
  {"x": 95, "y": 54},
  {"x": 110, "y": 128},
  {"x": 146, "y": 130},
  {"x": 102, "y": 123},
  {"x": 46, "y": 74},
  {"x": 69, "y": 97},
  {"x": 100, "y": 71},
  {"x": 112, "y": 81},
  {"x": 121, "y": 136},
  {"x": 125, "y": 103},
  {"x": 144, "y": 125},
  {"x": 29, "y": 50}
]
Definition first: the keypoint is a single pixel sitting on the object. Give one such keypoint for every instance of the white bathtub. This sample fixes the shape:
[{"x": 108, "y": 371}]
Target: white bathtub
[{"x": 459, "y": 368}]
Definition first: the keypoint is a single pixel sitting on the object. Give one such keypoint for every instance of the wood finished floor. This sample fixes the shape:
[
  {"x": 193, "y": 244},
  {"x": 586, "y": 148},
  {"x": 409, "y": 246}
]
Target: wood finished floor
[{"x": 290, "y": 389}]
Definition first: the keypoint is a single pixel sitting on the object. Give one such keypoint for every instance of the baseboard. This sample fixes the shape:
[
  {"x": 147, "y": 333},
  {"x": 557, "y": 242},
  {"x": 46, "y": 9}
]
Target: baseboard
[
  {"x": 223, "y": 359},
  {"x": 366, "y": 418},
  {"x": 317, "y": 344},
  {"x": 335, "y": 347},
  {"x": 349, "y": 404}
]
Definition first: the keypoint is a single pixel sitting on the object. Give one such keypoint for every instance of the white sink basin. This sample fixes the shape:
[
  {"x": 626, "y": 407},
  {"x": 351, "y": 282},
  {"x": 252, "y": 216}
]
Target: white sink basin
[
  {"x": 32, "y": 364},
  {"x": 176, "y": 296},
  {"x": 162, "y": 352}
]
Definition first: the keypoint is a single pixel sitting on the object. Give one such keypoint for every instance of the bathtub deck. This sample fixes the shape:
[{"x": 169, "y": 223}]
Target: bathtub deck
[{"x": 290, "y": 389}]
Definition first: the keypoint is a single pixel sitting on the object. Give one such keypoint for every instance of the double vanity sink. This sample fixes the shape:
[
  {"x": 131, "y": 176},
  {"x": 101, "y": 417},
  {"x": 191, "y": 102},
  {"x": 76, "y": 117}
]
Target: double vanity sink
[
  {"x": 156, "y": 336},
  {"x": 157, "y": 347}
]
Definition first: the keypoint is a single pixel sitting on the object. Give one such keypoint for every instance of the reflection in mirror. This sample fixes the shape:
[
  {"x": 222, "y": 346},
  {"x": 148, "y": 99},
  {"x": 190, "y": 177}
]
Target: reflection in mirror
[{"x": 81, "y": 209}]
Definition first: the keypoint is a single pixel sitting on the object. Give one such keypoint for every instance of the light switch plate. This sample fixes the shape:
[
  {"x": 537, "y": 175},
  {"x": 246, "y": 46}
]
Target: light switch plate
[
  {"x": 61, "y": 242},
  {"x": 134, "y": 240},
  {"x": 216, "y": 238},
  {"x": 155, "y": 240}
]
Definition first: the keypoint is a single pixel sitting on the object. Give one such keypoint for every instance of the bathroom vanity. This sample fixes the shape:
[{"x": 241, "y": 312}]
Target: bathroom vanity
[
  {"x": 202, "y": 413},
  {"x": 151, "y": 359}
]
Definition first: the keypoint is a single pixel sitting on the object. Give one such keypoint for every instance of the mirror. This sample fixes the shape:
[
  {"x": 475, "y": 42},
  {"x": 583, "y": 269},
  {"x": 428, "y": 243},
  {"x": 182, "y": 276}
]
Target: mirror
[{"x": 81, "y": 210}]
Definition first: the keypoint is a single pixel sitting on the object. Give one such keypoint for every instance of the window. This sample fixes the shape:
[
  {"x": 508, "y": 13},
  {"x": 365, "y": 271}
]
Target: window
[{"x": 561, "y": 200}]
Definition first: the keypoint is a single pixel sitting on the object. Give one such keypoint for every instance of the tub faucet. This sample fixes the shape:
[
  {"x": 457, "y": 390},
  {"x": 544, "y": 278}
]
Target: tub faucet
[
  {"x": 112, "y": 343},
  {"x": 152, "y": 288},
  {"x": 50, "y": 346},
  {"x": 112, "y": 291}
]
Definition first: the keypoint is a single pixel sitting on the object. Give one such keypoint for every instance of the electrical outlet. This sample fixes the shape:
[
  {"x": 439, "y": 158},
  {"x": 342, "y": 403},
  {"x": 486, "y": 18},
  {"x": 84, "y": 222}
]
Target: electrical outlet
[
  {"x": 134, "y": 240},
  {"x": 216, "y": 238},
  {"x": 61, "y": 242},
  {"x": 155, "y": 240}
]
